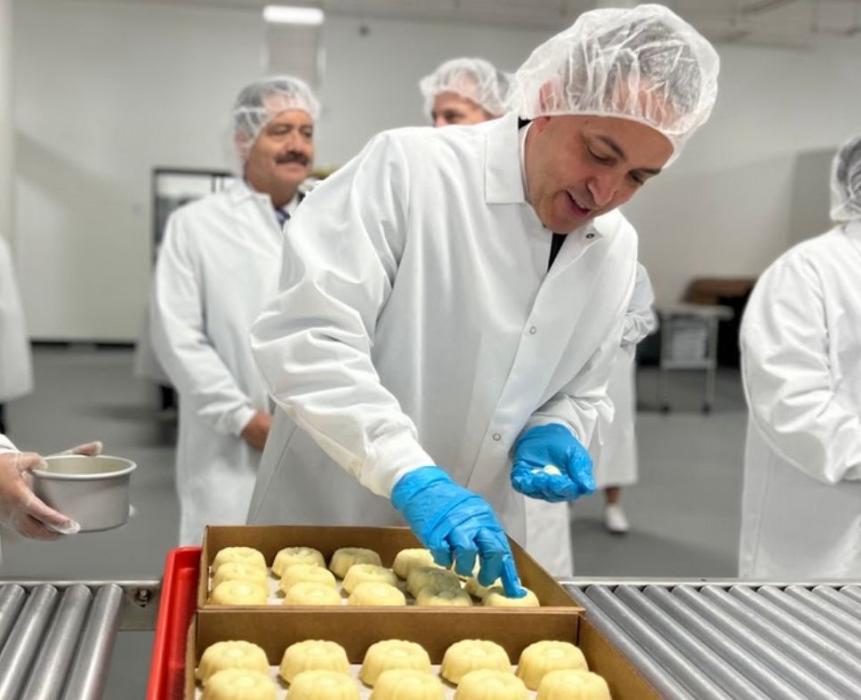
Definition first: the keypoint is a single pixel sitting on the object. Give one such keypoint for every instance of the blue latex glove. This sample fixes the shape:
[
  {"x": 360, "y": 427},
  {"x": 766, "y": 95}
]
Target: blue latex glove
[
  {"x": 554, "y": 445},
  {"x": 455, "y": 523}
]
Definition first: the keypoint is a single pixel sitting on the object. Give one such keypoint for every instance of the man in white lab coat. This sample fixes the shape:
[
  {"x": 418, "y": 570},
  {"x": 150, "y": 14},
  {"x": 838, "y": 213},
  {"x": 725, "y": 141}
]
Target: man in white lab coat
[
  {"x": 465, "y": 91},
  {"x": 217, "y": 266},
  {"x": 801, "y": 365},
  {"x": 417, "y": 323}
]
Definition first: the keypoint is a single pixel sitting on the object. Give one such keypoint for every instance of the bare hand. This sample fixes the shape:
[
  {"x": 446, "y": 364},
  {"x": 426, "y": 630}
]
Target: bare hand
[{"x": 257, "y": 430}]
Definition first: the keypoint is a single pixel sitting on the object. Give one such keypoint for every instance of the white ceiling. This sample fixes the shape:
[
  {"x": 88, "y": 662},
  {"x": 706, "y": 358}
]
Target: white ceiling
[{"x": 760, "y": 22}]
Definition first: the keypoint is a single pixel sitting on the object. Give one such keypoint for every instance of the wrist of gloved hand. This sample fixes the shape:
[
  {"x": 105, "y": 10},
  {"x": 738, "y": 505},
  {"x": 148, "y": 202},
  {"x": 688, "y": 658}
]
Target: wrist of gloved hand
[
  {"x": 551, "y": 464},
  {"x": 20, "y": 508},
  {"x": 457, "y": 526}
]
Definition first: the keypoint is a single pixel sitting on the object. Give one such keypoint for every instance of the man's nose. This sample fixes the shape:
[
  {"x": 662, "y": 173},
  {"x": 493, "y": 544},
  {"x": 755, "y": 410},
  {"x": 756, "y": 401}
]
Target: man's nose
[{"x": 603, "y": 188}]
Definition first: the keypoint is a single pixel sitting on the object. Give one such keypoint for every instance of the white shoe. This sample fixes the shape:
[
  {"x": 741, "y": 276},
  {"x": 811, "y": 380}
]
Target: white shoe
[{"x": 615, "y": 519}]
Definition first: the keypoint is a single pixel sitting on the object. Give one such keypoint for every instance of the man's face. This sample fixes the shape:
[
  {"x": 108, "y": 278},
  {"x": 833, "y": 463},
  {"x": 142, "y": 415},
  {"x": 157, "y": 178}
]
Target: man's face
[
  {"x": 451, "y": 108},
  {"x": 282, "y": 156},
  {"x": 579, "y": 167}
]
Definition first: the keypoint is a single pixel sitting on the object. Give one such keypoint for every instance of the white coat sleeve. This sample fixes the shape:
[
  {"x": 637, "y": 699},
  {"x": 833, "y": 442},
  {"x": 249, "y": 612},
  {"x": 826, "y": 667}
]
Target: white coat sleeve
[
  {"x": 178, "y": 331},
  {"x": 640, "y": 318},
  {"x": 6, "y": 444},
  {"x": 787, "y": 377},
  {"x": 314, "y": 342},
  {"x": 583, "y": 404}
]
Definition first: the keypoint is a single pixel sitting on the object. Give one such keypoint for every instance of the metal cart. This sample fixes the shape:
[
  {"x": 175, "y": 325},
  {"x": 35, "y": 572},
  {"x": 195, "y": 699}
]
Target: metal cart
[
  {"x": 56, "y": 637},
  {"x": 689, "y": 341}
]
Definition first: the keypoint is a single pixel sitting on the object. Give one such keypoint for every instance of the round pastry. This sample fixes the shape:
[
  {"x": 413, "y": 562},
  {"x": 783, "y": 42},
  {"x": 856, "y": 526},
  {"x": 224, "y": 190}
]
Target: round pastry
[
  {"x": 238, "y": 593},
  {"x": 313, "y": 655},
  {"x": 239, "y": 684},
  {"x": 431, "y": 576},
  {"x": 407, "y": 559},
  {"x": 346, "y": 557},
  {"x": 362, "y": 573},
  {"x": 309, "y": 593},
  {"x": 405, "y": 683},
  {"x": 393, "y": 653},
  {"x": 489, "y": 684},
  {"x": 470, "y": 655},
  {"x": 243, "y": 555},
  {"x": 236, "y": 571},
  {"x": 309, "y": 573},
  {"x": 573, "y": 685},
  {"x": 370, "y": 593},
  {"x": 453, "y": 597},
  {"x": 539, "y": 658},
  {"x": 296, "y": 555},
  {"x": 323, "y": 685},
  {"x": 232, "y": 654},
  {"x": 496, "y": 598},
  {"x": 474, "y": 588}
]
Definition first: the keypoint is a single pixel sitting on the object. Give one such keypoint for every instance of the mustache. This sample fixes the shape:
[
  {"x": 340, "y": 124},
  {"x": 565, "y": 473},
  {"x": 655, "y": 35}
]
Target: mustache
[{"x": 292, "y": 157}]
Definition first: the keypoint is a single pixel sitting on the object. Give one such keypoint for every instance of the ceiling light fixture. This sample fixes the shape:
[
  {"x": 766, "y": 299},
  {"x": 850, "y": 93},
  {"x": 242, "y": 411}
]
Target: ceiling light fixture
[{"x": 292, "y": 14}]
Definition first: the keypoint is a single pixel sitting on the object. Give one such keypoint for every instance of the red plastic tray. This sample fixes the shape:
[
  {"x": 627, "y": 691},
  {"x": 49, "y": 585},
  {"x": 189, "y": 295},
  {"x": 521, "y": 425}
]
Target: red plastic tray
[{"x": 178, "y": 601}]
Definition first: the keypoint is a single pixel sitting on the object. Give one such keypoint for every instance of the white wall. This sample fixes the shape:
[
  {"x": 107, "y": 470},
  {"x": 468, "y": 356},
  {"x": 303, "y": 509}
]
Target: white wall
[{"x": 106, "y": 91}]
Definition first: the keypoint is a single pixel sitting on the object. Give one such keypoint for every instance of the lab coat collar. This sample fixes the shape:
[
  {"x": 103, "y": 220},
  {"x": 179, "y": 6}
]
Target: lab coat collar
[
  {"x": 504, "y": 178},
  {"x": 240, "y": 191},
  {"x": 502, "y": 181}
]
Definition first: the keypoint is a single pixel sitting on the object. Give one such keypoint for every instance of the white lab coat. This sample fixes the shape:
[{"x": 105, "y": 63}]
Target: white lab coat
[
  {"x": 216, "y": 268},
  {"x": 417, "y": 324},
  {"x": 615, "y": 461},
  {"x": 16, "y": 366},
  {"x": 615, "y": 454},
  {"x": 801, "y": 365}
]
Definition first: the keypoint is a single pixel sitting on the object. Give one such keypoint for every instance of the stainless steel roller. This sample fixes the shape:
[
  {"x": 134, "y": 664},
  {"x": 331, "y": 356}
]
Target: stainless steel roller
[
  {"x": 658, "y": 676},
  {"x": 729, "y": 651},
  {"x": 11, "y": 600},
  {"x": 829, "y": 612},
  {"x": 23, "y": 641},
  {"x": 840, "y": 600},
  {"x": 848, "y": 646},
  {"x": 687, "y": 673},
  {"x": 853, "y": 592},
  {"x": 725, "y": 676},
  {"x": 89, "y": 669},
  {"x": 51, "y": 668},
  {"x": 778, "y": 629},
  {"x": 756, "y": 645}
]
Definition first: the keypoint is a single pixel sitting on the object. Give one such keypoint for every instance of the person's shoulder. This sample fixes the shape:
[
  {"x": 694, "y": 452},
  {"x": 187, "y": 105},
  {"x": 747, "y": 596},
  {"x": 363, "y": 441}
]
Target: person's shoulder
[
  {"x": 426, "y": 142},
  {"x": 812, "y": 254}
]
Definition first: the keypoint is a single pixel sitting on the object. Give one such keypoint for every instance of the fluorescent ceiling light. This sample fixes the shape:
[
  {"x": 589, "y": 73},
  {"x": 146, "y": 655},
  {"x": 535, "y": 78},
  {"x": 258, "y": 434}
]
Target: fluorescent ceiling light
[{"x": 291, "y": 14}]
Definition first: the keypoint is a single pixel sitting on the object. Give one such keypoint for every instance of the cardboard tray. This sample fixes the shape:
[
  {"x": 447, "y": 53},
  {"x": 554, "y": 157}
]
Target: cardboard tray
[
  {"x": 386, "y": 541},
  {"x": 364, "y": 626}
]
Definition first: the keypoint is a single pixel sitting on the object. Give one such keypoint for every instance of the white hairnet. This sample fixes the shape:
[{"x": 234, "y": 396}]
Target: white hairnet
[
  {"x": 472, "y": 78},
  {"x": 260, "y": 102},
  {"x": 644, "y": 63},
  {"x": 846, "y": 182}
]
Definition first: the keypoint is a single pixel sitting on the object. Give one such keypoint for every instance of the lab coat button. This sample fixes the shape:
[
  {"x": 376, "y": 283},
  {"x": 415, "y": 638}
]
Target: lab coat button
[
  {"x": 590, "y": 236},
  {"x": 533, "y": 330},
  {"x": 497, "y": 437}
]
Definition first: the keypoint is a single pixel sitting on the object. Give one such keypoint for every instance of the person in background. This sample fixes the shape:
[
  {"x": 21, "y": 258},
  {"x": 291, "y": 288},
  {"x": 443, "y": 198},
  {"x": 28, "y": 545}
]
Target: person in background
[
  {"x": 465, "y": 91},
  {"x": 452, "y": 299},
  {"x": 217, "y": 267},
  {"x": 16, "y": 365},
  {"x": 801, "y": 366},
  {"x": 614, "y": 449},
  {"x": 20, "y": 509}
]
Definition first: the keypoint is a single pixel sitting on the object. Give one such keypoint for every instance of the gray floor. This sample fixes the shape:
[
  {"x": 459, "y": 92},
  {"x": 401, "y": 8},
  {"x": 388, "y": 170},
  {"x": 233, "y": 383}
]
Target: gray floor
[{"x": 684, "y": 511}]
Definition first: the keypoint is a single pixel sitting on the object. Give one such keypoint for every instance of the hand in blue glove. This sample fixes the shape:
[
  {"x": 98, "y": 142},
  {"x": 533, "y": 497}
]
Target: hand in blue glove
[
  {"x": 551, "y": 445},
  {"x": 455, "y": 523}
]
